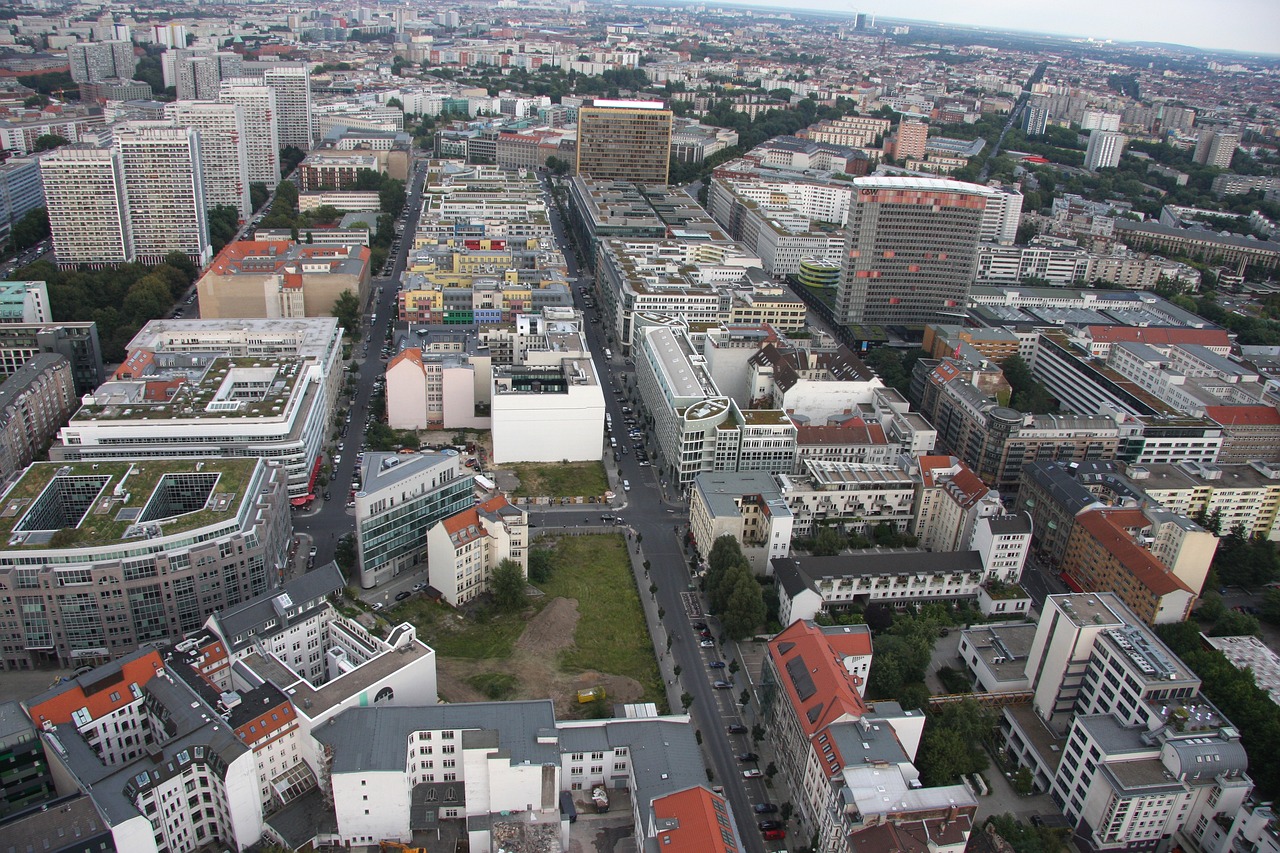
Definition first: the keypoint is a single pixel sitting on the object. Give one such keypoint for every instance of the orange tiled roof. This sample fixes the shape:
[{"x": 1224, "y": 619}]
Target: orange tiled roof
[
  {"x": 1107, "y": 528},
  {"x": 817, "y": 685},
  {"x": 1243, "y": 415},
  {"x": 703, "y": 823},
  {"x": 98, "y": 700}
]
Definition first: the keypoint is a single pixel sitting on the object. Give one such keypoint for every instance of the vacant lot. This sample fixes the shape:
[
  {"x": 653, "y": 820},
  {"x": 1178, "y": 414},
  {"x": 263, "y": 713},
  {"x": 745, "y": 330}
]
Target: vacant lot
[
  {"x": 560, "y": 479},
  {"x": 587, "y": 630}
]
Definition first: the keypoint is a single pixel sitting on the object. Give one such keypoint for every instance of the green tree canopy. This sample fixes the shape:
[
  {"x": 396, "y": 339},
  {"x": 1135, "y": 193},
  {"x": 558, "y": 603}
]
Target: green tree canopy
[{"x": 507, "y": 585}]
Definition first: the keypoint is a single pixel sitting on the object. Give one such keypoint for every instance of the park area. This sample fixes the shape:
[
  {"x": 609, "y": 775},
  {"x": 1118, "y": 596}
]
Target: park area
[{"x": 585, "y": 629}]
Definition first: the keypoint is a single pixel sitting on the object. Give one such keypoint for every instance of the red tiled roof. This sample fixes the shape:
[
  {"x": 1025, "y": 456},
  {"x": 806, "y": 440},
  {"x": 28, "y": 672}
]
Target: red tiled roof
[
  {"x": 816, "y": 683},
  {"x": 495, "y": 504},
  {"x": 413, "y": 354},
  {"x": 854, "y": 431},
  {"x": 1160, "y": 335},
  {"x": 135, "y": 364},
  {"x": 1107, "y": 527},
  {"x": 703, "y": 823},
  {"x": 58, "y": 708},
  {"x": 1243, "y": 415}
]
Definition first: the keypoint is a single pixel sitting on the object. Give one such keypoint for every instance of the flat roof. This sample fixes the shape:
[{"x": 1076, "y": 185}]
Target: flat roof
[
  {"x": 628, "y": 105},
  {"x": 51, "y": 497}
]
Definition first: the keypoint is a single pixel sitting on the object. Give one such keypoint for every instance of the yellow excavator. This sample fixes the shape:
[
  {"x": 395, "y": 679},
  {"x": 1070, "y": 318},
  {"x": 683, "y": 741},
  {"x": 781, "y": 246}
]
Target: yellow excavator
[{"x": 384, "y": 846}]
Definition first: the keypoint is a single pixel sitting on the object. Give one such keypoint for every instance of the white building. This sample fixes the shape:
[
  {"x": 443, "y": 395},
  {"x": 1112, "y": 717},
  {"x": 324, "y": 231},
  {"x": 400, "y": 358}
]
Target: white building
[
  {"x": 748, "y": 507},
  {"x": 464, "y": 549},
  {"x": 261, "y": 140},
  {"x": 1104, "y": 150},
  {"x": 851, "y": 497},
  {"x": 223, "y": 150},
  {"x": 548, "y": 413},
  {"x": 164, "y": 192},
  {"x": 277, "y": 406},
  {"x": 84, "y": 195},
  {"x": 1002, "y": 217}
]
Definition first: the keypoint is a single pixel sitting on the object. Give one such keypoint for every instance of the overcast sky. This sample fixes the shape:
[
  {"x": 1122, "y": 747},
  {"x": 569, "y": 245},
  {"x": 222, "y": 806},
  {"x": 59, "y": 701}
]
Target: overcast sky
[{"x": 1248, "y": 25}]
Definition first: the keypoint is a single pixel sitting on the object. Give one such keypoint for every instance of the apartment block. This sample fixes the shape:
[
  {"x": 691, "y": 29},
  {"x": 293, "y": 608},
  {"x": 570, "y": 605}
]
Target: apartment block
[
  {"x": 34, "y": 404},
  {"x": 1104, "y": 150},
  {"x": 851, "y": 497},
  {"x": 750, "y": 507},
  {"x": 1216, "y": 148},
  {"x": 223, "y": 149},
  {"x": 84, "y": 192},
  {"x": 78, "y": 342},
  {"x": 849, "y": 763},
  {"x": 334, "y": 170},
  {"x": 281, "y": 279},
  {"x": 1119, "y": 732},
  {"x": 207, "y": 388},
  {"x": 164, "y": 196},
  {"x": 464, "y": 549},
  {"x": 21, "y": 190},
  {"x": 261, "y": 127},
  {"x": 292, "y": 87},
  {"x": 400, "y": 497},
  {"x": 94, "y": 61},
  {"x": 94, "y": 595},
  {"x": 815, "y": 385}
]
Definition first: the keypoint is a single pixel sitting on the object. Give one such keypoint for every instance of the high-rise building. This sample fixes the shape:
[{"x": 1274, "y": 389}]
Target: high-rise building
[
  {"x": 1216, "y": 148},
  {"x": 1105, "y": 148},
  {"x": 912, "y": 136},
  {"x": 20, "y": 190},
  {"x": 101, "y": 60},
  {"x": 261, "y": 127},
  {"x": 197, "y": 78},
  {"x": 625, "y": 140},
  {"x": 1003, "y": 216},
  {"x": 292, "y": 85},
  {"x": 912, "y": 249},
  {"x": 222, "y": 150},
  {"x": 1035, "y": 115},
  {"x": 169, "y": 35},
  {"x": 164, "y": 191},
  {"x": 84, "y": 194},
  {"x": 1099, "y": 120}
]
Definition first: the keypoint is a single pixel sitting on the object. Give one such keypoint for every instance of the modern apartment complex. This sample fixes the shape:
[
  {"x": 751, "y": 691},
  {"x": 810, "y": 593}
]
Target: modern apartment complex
[
  {"x": 101, "y": 60},
  {"x": 625, "y": 141},
  {"x": 84, "y": 194},
  {"x": 911, "y": 251},
  {"x": 261, "y": 127},
  {"x": 1104, "y": 150},
  {"x": 20, "y": 342},
  {"x": 205, "y": 388},
  {"x": 164, "y": 192},
  {"x": 105, "y": 556},
  {"x": 292, "y": 87}
]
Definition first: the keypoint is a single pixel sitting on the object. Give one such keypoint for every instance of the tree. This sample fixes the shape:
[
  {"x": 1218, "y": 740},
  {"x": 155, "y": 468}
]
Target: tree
[
  {"x": 49, "y": 141},
  {"x": 507, "y": 585},
  {"x": 745, "y": 611},
  {"x": 290, "y": 157},
  {"x": 952, "y": 742},
  {"x": 392, "y": 198},
  {"x": 224, "y": 224},
  {"x": 347, "y": 309},
  {"x": 540, "y": 565},
  {"x": 827, "y": 542},
  {"x": 30, "y": 229},
  {"x": 258, "y": 194},
  {"x": 1023, "y": 837},
  {"x": 1236, "y": 624}
]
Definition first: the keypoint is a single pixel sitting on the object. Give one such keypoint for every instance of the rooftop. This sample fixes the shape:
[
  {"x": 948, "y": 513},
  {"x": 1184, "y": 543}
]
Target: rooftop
[{"x": 103, "y": 503}]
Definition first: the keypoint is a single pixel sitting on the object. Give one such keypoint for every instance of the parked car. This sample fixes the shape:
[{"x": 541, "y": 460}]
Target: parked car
[
  {"x": 737, "y": 729},
  {"x": 753, "y": 773},
  {"x": 716, "y": 664},
  {"x": 401, "y": 596},
  {"x": 420, "y": 586},
  {"x": 769, "y": 824},
  {"x": 708, "y": 644},
  {"x": 722, "y": 685},
  {"x": 748, "y": 756},
  {"x": 775, "y": 834},
  {"x": 765, "y": 808}
]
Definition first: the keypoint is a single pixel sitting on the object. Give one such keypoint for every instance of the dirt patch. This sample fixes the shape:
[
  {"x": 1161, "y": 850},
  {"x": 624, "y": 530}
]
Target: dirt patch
[
  {"x": 551, "y": 631},
  {"x": 535, "y": 663}
]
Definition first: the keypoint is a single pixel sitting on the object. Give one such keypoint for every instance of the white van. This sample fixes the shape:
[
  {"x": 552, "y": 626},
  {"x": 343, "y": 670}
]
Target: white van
[
  {"x": 608, "y": 354},
  {"x": 626, "y": 485}
]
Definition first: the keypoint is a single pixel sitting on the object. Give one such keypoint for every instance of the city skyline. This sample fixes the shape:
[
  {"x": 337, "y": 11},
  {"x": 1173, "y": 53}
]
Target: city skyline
[{"x": 1251, "y": 26}]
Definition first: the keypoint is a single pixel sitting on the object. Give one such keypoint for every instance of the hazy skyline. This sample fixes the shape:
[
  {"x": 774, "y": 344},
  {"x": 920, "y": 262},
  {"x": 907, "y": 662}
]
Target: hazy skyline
[{"x": 1245, "y": 25}]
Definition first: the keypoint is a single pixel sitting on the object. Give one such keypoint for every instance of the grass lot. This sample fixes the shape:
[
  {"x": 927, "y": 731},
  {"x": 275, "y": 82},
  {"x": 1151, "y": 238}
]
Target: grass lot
[
  {"x": 456, "y": 636},
  {"x": 561, "y": 479},
  {"x": 498, "y": 686},
  {"x": 611, "y": 635}
]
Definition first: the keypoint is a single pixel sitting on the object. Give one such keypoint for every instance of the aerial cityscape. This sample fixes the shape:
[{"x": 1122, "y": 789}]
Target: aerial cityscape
[{"x": 560, "y": 426}]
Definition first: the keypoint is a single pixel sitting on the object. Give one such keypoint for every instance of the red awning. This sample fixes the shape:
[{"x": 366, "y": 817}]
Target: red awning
[
  {"x": 1071, "y": 582},
  {"x": 315, "y": 473},
  {"x": 302, "y": 501}
]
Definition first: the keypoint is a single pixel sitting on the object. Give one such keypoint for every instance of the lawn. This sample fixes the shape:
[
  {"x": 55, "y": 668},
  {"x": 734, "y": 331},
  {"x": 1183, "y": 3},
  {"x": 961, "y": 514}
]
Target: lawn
[
  {"x": 611, "y": 635},
  {"x": 560, "y": 479}
]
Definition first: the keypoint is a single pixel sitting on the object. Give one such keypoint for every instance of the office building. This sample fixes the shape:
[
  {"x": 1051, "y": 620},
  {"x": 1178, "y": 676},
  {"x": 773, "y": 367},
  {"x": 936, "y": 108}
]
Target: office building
[
  {"x": 1104, "y": 150},
  {"x": 1118, "y": 731},
  {"x": 164, "y": 191},
  {"x": 399, "y": 498},
  {"x": 115, "y": 89},
  {"x": 20, "y": 342},
  {"x": 463, "y": 550},
  {"x": 292, "y": 87},
  {"x": 261, "y": 128},
  {"x": 625, "y": 141},
  {"x": 223, "y": 154},
  {"x": 88, "y": 542},
  {"x": 34, "y": 404},
  {"x": 911, "y": 251},
  {"x": 848, "y": 763},
  {"x": 548, "y": 412},
  {"x": 282, "y": 279},
  {"x": 84, "y": 195},
  {"x": 1216, "y": 148},
  {"x": 188, "y": 389},
  {"x": 94, "y": 61}
]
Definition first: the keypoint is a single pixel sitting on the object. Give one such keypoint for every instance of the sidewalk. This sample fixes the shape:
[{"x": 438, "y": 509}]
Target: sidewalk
[{"x": 658, "y": 633}]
